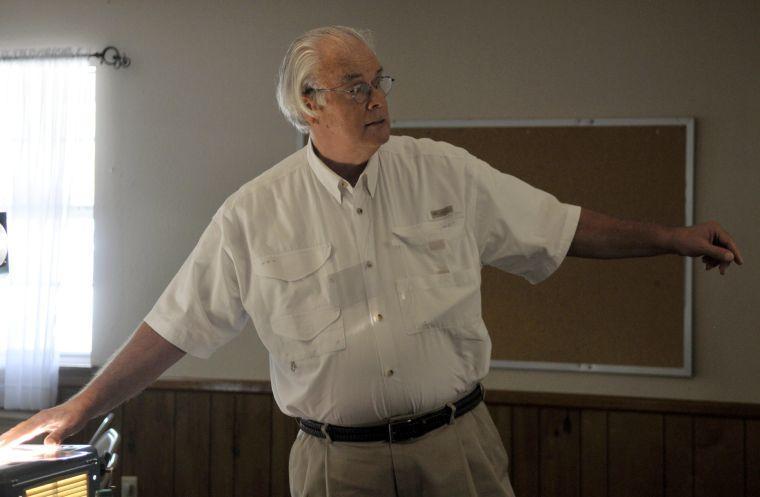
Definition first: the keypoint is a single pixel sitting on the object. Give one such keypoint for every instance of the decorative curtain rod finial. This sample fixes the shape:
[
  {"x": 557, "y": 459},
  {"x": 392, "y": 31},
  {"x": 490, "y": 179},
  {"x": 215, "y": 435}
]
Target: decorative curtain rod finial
[{"x": 112, "y": 57}]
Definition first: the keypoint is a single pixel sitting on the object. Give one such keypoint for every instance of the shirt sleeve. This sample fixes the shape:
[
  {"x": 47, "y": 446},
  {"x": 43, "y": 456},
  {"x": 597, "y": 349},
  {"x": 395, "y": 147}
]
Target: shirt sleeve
[
  {"x": 520, "y": 229},
  {"x": 201, "y": 309}
]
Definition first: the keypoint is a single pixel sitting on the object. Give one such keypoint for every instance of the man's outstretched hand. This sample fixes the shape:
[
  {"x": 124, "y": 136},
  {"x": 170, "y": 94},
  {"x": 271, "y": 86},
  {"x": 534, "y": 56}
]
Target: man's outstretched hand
[
  {"x": 135, "y": 366},
  {"x": 710, "y": 241},
  {"x": 59, "y": 422}
]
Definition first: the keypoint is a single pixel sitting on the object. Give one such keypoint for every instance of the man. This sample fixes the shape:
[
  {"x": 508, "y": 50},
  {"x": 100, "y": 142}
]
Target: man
[{"x": 358, "y": 260}]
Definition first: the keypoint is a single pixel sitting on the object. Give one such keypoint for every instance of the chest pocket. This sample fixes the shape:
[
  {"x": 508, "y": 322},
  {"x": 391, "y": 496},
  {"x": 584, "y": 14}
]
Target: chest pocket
[
  {"x": 442, "y": 287},
  {"x": 313, "y": 333},
  {"x": 433, "y": 247},
  {"x": 294, "y": 288},
  {"x": 293, "y": 282}
]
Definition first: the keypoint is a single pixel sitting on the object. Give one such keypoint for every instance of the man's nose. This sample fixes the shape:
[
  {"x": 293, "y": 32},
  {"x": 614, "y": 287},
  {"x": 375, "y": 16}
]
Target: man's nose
[{"x": 376, "y": 99}]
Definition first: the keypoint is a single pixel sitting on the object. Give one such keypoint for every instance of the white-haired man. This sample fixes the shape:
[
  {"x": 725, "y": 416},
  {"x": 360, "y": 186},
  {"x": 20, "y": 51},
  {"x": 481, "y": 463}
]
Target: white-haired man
[{"x": 358, "y": 259}]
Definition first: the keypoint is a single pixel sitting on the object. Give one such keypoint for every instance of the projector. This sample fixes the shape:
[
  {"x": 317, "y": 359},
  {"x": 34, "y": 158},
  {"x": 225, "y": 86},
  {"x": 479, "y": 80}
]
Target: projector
[{"x": 49, "y": 471}]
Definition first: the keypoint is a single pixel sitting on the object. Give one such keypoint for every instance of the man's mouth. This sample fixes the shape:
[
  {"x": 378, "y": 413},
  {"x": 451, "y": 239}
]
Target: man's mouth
[{"x": 379, "y": 121}]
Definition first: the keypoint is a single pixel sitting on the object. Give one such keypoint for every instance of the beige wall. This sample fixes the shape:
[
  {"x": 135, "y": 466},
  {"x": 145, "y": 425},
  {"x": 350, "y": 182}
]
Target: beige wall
[{"x": 195, "y": 117}]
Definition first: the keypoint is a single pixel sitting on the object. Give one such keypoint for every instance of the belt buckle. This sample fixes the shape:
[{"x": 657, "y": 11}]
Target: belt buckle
[{"x": 392, "y": 423}]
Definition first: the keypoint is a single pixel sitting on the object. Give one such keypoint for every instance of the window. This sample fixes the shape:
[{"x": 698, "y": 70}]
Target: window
[{"x": 59, "y": 131}]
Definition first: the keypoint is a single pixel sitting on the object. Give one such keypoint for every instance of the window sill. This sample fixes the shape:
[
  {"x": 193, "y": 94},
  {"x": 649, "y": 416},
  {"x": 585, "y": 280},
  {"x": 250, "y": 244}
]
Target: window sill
[{"x": 75, "y": 361}]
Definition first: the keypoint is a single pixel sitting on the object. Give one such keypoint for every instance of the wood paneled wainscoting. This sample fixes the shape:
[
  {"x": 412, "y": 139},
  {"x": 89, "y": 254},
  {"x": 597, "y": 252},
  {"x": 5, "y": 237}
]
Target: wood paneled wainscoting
[{"x": 224, "y": 438}]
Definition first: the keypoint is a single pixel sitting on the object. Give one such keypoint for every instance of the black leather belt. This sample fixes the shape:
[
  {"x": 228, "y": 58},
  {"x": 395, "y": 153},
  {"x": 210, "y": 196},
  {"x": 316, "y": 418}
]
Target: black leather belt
[{"x": 396, "y": 430}]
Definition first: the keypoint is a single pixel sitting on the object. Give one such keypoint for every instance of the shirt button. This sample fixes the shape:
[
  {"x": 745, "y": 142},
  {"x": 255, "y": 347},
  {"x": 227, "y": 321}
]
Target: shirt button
[
  {"x": 359, "y": 210},
  {"x": 369, "y": 263},
  {"x": 379, "y": 317},
  {"x": 389, "y": 372},
  {"x": 344, "y": 184}
]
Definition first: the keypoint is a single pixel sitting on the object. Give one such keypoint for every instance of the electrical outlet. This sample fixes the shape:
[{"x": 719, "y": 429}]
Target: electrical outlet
[{"x": 128, "y": 486}]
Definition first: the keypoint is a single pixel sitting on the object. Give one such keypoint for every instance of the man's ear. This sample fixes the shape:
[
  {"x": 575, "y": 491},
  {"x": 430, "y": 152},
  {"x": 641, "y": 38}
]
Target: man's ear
[{"x": 313, "y": 107}]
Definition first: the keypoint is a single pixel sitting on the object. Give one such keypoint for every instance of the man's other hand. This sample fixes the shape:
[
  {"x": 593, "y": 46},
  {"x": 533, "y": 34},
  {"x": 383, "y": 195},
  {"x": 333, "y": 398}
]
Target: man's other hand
[
  {"x": 710, "y": 241},
  {"x": 60, "y": 422}
]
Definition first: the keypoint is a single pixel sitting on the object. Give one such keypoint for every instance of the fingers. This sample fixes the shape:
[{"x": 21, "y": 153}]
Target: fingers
[
  {"x": 711, "y": 263},
  {"x": 726, "y": 241},
  {"x": 722, "y": 268},
  {"x": 720, "y": 249},
  {"x": 20, "y": 434},
  {"x": 718, "y": 253},
  {"x": 55, "y": 438},
  {"x": 50, "y": 421}
]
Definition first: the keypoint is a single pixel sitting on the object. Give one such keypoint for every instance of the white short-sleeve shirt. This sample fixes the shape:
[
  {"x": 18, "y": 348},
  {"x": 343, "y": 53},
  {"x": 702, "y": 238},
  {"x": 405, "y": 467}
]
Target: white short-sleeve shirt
[{"x": 368, "y": 297}]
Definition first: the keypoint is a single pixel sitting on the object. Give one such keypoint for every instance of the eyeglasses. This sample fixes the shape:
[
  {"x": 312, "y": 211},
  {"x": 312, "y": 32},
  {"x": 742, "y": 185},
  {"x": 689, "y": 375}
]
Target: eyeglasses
[{"x": 361, "y": 92}]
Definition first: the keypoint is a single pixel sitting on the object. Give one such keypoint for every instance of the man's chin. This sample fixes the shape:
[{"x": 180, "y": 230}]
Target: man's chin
[{"x": 381, "y": 133}]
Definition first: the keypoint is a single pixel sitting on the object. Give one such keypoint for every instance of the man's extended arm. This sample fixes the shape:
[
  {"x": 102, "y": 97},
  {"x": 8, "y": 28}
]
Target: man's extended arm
[
  {"x": 135, "y": 366},
  {"x": 605, "y": 237}
]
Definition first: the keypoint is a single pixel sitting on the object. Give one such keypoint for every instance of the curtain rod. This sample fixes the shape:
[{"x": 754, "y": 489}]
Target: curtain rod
[{"x": 109, "y": 56}]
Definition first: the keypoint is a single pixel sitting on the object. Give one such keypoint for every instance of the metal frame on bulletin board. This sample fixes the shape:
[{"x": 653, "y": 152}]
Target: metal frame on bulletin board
[{"x": 688, "y": 123}]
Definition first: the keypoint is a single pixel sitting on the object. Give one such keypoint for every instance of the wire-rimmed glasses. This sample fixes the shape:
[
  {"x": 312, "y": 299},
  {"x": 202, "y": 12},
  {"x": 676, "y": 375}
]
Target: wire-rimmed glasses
[{"x": 360, "y": 92}]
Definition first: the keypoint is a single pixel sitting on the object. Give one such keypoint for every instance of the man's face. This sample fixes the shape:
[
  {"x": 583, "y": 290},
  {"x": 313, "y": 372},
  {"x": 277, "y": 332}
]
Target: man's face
[{"x": 343, "y": 130}]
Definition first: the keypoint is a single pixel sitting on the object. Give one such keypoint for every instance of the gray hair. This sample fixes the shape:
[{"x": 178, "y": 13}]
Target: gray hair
[{"x": 299, "y": 67}]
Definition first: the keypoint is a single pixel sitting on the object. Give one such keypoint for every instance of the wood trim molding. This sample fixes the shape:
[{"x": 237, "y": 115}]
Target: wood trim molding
[
  {"x": 619, "y": 403},
  {"x": 78, "y": 377}
]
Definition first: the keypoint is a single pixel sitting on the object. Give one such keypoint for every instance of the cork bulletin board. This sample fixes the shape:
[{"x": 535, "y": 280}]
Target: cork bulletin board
[{"x": 622, "y": 316}]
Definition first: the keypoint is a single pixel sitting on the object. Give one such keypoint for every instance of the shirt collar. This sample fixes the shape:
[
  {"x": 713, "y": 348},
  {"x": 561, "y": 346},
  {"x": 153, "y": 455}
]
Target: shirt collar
[{"x": 332, "y": 182}]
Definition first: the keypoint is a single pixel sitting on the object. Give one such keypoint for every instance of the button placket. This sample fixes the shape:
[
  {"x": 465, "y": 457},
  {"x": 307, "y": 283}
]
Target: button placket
[
  {"x": 362, "y": 220},
  {"x": 370, "y": 275}
]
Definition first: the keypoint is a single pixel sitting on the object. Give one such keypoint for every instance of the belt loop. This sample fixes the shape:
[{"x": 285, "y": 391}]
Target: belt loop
[
  {"x": 323, "y": 429},
  {"x": 453, "y": 412},
  {"x": 483, "y": 391}
]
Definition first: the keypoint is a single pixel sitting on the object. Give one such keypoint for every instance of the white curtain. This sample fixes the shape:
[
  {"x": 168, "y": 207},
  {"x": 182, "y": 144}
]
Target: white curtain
[{"x": 45, "y": 111}]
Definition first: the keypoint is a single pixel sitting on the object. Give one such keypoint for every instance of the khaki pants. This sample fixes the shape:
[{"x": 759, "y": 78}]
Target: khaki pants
[{"x": 464, "y": 459}]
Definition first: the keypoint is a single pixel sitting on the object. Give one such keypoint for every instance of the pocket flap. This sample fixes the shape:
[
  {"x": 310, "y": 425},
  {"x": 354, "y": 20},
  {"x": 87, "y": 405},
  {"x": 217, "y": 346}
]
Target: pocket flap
[
  {"x": 305, "y": 326},
  {"x": 448, "y": 228},
  {"x": 293, "y": 265}
]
